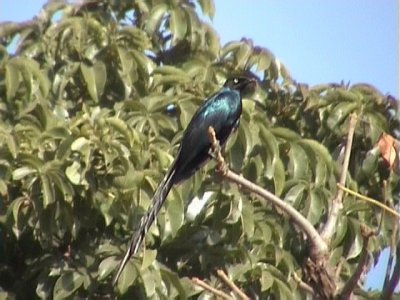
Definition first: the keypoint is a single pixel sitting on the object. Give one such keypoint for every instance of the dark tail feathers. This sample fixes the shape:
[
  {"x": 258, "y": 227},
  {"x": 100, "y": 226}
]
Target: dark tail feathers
[{"x": 147, "y": 220}]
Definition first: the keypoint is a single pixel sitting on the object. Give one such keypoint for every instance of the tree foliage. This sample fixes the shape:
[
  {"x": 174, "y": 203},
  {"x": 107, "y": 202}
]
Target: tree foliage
[{"x": 93, "y": 103}]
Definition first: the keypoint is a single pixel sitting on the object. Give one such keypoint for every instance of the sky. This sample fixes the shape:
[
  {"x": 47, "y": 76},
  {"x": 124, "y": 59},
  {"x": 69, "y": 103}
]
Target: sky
[{"x": 318, "y": 41}]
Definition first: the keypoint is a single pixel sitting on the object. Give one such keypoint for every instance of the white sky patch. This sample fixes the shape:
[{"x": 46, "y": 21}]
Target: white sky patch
[{"x": 196, "y": 205}]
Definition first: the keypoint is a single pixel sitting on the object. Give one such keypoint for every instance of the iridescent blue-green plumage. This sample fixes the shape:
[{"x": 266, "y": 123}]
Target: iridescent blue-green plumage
[{"x": 221, "y": 111}]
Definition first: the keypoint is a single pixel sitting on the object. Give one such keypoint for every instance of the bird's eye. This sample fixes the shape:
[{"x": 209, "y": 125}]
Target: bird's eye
[{"x": 235, "y": 80}]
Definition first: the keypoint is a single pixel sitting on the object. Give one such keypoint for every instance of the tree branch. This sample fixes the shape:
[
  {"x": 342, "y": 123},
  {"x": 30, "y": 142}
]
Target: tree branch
[
  {"x": 391, "y": 282},
  {"x": 318, "y": 245},
  {"x": 319, "y": 274},
  {"x": 362, "y": 262},
  {"x": 232, "y": 285},
  {"x": 209, "y": 288},
  {"x": 337, "y": 203},
  {"x": 370, "y": 200}
]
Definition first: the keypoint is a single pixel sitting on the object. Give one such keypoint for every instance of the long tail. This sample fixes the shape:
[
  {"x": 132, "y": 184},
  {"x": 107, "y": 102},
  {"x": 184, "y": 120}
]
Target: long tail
[{"x": 147, "y": 220}]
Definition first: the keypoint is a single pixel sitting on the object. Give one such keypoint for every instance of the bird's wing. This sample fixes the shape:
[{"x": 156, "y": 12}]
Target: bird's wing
[{"x": 216, "y": 112}]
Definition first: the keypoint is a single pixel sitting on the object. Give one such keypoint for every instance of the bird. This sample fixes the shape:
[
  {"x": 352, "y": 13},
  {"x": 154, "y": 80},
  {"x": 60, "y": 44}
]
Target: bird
[{"x": 222, "y": 112}]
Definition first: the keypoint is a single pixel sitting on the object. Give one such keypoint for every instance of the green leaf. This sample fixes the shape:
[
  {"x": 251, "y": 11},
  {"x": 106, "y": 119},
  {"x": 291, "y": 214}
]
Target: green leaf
[
  {"x": 321, "y": 173},
  {"x": 340, "y": 232},
  {"x": 149, "y": 257},
  {"x": 272, "y": 151},
  {"x": 357, "y": 240},
  {"x": 172, "y": 278},
  {"x": 282, "y": 289},
  {"x": 170, "y": 70},
  {"x": 127, "y": 278},
  {"x": 318, "y": 148},
  {"x": 120, "y": 126},
  {"x": 370, "y": 163},
  {"x": 340, "y": 113},
  {"x": 88, "y": 73},
  {"x": 3, "y": 188},
  {"x": 107, "y": 266},
  {"x": 377, "y": 125},
  {"x": 207, "y": 7},
  {"x": 12, "y": 144},
  {"x": 132, "y": 179},
  {"x": 279, "y": 177},
  {"x": 153, "y": 21},
  {"x": 284, "y": 133},
  {"x": 295, "y": 194},
  {"x": 298, "y": 164},
  {"x": 264, "y": 60},
  {"x": 67, "y": 284},
  {"x": 47, "y": 190},
  {"x": 163, "y": 157},
  {"x": 149, "y": 282},
  {"x": 246, "y": 137},
  {"x": 230, "y": 48},
  {"x": 16, "y": 206},
  {"x": 21, "y": 172},
  {"x": 235, "y": 210},
  {"x": 242, "y": 55},
  {"x": 178, "y": 25},
  {"x": 100, "y": 72},
  {"x": 266, "y": 280},
  {"x": 314, "y": 207},
  {"x": 175, "y": 213},
  {"x": 145, "y": 64},
  {"x": 12, "y": 80}
]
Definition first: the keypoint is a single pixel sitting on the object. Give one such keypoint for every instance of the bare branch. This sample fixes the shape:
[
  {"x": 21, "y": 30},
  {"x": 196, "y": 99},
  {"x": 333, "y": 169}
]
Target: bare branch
[
  {"x": 391, "y": 282},
  {"x": 318, "y": 246},
  {"x": 232, "y": 285},
  {"x": 362, "y": 262},
  {"x": 320, "y": 275},
  {"x": 373, "y": 201},
  {"x": 337, "y": 203},
  {"x": 210, "y": 289},
  {"x": 390, "y": 288}
]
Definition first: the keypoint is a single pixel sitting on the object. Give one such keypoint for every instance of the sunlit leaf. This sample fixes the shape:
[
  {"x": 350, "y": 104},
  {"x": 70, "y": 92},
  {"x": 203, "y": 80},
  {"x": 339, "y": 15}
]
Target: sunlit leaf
[
  {"x": 12, "y": 80},
  {"x": 88, "y": 73},
  {"x": 148, "y": 258},
  {"x": 107, "y": 266},
  {"x": 128, "y": 276},
  {"x": 178, "y": 25}
]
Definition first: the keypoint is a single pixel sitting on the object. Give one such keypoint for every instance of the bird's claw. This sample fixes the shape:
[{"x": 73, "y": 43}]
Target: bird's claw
[{"x": 215, "y": 150}]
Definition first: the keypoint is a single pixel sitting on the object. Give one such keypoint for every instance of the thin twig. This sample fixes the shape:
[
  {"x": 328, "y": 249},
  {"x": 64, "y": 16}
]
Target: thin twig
[
  {"x": 362, "y": 262},
  {"x": 318, "y": 246},
  {"x": 337, "y": 203},
  {"x": 394, "y": 281},
  {"x": 373, "y": 201},
  {"x": 392, "y": 242},
  {"x": 209, "y": 288},
  {"x": 387, "y": 285},
  {"x": 304, "y": 286},
  {"x": 232, "y": 285}
]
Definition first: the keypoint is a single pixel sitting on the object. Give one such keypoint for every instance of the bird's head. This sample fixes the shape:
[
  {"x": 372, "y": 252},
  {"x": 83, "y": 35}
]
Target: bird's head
[{"x": 242, "y": 84}]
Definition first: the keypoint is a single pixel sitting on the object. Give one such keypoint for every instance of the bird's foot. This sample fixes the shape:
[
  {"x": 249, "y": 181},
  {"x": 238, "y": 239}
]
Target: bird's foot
[{"x": 215, "y": 152}]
